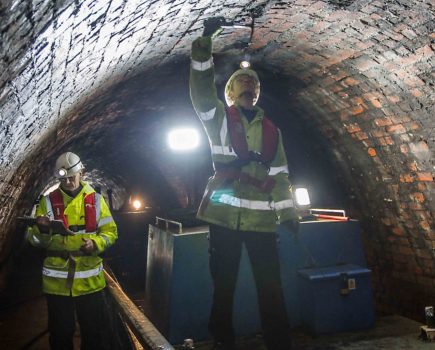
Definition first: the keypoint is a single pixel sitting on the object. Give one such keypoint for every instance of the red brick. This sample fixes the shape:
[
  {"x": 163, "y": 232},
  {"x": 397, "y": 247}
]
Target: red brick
[
  {"x": 424, "y": 177},
  {"x": 393, "y": 98},
  {"x": 416, "y": 92},
  {"x": 376, "y": 103},
  {"x": 424, "y": 52},
  {"x": 357, "y": 100},
  {"x": 357, "y": 110},
  {"x": 383, "y": 121},
  {"x": 398, "y": 231},
  {"x": 417, "y": 197},
  {"x": 413, "y": 81},
  {"x": 406, "y": 178},
  {"x": 361, "y": 136},
  {"x": 396, "y": 129},
  {"x": 389, "y": 141},
  {"x": 351, "y": 82},
  {"x": 351, "y": 128}
]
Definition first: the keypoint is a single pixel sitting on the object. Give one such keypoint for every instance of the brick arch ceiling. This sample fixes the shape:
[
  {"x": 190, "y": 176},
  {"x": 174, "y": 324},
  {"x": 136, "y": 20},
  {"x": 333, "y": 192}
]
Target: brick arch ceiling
[{"x": 358, "y": 73}]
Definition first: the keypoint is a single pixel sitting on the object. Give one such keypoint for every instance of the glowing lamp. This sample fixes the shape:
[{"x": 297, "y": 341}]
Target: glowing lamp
[
  {"x": 136, "y": 204},
  {"x": 183, "y": 139}
]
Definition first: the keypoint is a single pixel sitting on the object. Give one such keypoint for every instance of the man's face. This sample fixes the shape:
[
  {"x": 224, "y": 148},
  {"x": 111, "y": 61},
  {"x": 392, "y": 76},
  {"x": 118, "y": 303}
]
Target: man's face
[
  {"x": 244, "y": 90},
  {"x": 71, "y": 183}
]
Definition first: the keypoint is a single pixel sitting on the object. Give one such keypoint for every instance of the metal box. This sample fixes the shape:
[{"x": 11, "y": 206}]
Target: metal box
[
  {"x": 179, "y": 287},
  {"x": 336, "y": 298}
]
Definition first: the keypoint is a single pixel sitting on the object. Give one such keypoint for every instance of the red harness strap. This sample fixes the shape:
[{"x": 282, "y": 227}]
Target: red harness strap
[
  {"x": 238, "y": 137},
  {"x": 58, "y": 206},
  {"x": 90, "y": 213},
  {"x": 56, "y": 200}
]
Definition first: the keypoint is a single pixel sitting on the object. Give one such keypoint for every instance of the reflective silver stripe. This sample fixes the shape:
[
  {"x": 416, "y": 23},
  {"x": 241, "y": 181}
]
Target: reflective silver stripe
[
  {"x": 287, "y": 203},
  {"x": 78, "y": 274},
  {"x": 224, "y": 130},
  {"x": 207, "y": 115},
  {"x": 278, "y": 169},
  {"x": 245, "y": 203},
  {"x": 202, "y": 66},
  {"x": 97, "y": 206},
  {"x": 84, "y": 231},
  {"x": 105, "y": 220},
  {"x": 50, "y": 213},
  {"x": 225, "y": 150}
]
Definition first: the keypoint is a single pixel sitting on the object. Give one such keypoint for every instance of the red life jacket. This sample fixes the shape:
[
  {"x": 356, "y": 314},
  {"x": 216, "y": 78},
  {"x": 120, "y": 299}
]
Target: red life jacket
[
  {"x": 238, "y": 138},
  {"x": 58, "y": 206}
]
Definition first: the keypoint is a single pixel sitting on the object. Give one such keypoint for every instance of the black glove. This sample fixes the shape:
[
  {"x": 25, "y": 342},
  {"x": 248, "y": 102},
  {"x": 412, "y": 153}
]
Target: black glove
[{"x": 213, "y": 26}]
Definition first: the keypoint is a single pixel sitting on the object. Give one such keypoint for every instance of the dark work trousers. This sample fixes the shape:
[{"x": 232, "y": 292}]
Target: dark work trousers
[
  {"x": 92, "y": 316},
  {"x": 225, "y": 253}
]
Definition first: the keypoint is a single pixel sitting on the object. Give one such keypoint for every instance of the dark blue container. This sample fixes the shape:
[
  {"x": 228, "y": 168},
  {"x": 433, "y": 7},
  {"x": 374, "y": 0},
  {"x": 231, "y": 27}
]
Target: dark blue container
[{"x": 336, "y": 298}]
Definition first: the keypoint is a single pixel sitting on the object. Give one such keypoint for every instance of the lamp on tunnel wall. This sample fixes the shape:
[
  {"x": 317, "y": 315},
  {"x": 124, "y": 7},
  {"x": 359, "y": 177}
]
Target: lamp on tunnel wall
[{"x": 136, "y": 203}]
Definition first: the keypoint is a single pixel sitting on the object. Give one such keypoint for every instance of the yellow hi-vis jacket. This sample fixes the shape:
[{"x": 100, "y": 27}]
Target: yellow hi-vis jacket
[
  {"x": 236, "y": 204},
  {"x": 88, "y": 272}
]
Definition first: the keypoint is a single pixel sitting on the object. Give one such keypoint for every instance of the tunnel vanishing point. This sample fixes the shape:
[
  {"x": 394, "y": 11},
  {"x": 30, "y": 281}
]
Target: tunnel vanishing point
[{"x": 349, "y": 82}]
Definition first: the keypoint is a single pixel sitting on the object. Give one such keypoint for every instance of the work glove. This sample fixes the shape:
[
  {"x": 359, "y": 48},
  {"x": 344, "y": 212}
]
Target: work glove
[
  {"x": 213, "y": 26},
  {"x": 43, "y": 223}
]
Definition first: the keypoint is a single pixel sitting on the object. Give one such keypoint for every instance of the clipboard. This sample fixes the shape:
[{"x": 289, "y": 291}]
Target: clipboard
[{"x": 56, "y": 226}]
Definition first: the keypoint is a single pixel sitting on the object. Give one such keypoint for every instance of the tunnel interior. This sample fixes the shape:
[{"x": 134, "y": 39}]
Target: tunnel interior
[{"x": 349, "y": 83}]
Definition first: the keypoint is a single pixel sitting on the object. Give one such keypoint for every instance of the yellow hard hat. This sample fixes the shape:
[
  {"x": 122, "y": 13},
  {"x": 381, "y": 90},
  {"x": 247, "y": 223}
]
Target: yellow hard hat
[
  {"x": 243, "y": 71},
  {"x": 68, "y": 164}
]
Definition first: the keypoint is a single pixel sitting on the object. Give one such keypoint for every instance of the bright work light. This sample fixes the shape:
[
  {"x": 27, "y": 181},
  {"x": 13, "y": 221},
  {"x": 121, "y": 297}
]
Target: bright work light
[
  {"x": 183, "y": 139},
  {"x": 302, "y": 197}
]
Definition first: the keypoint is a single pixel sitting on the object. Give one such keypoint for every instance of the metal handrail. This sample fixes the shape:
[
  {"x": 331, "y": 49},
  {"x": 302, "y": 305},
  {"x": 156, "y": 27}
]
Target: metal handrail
[
  {"x": 340, "y": 211},
  {"x": 147, "y": 335},
  {"x": 167, "y": 222}
]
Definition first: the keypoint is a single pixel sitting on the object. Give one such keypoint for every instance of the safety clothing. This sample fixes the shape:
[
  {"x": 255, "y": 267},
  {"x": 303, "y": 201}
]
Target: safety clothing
[
  {"x": 243, "y": 71},
  {"x": 234, "y": 203},
  {"x": 67, "y": 270},
  {"x": 67, "y": 165}
]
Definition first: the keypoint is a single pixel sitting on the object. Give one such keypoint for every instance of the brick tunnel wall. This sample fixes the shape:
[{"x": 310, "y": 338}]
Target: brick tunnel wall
[{"x": 367, "y": 83}]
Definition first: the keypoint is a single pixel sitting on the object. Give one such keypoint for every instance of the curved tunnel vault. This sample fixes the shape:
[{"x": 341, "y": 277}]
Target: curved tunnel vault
[{"x": 350, "y": 84}]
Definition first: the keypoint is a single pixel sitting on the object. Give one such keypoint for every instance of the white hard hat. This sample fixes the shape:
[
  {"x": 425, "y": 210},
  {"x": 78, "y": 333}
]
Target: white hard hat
[
  {"x": 68, "y": 164},
  {"x": 244, "y": 71}
]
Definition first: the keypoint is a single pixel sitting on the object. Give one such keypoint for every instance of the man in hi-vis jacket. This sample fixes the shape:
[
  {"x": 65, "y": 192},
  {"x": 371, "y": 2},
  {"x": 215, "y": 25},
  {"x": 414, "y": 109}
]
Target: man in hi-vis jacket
[
  {"x": 248, "y": 194},
  {"x": 72, "y": 275}
]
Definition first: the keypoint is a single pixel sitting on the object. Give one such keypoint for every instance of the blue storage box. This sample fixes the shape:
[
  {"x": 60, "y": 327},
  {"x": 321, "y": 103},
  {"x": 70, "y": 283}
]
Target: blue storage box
[{"x": 335, "y": 299}]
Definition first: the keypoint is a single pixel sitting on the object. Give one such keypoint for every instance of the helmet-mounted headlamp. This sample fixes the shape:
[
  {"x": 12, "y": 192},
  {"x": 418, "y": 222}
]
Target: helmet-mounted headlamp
[{"x": 67, "y": 165}]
